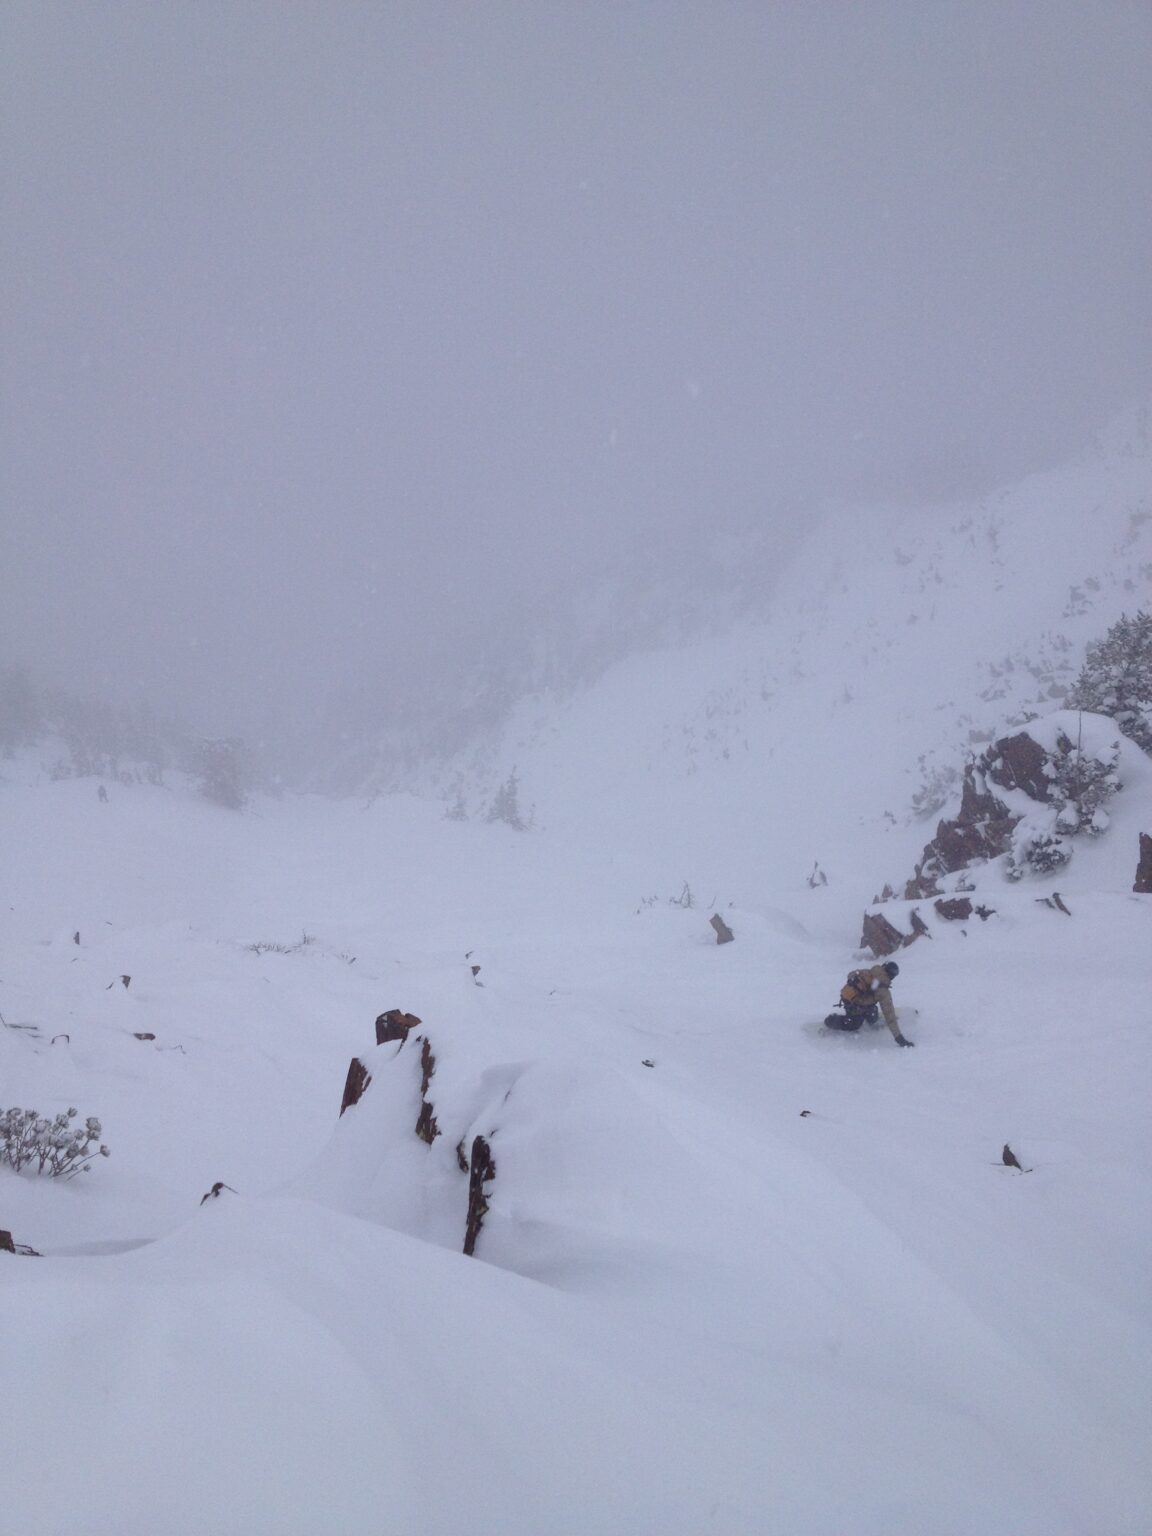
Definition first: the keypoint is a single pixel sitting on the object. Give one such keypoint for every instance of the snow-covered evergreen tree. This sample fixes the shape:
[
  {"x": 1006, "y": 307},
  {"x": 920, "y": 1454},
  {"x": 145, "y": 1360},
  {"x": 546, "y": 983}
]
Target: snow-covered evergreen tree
[
  {"x": 1116, "y": 678},
  {"x": 505, "y": 806},
  {"x": 222, "y": 777}
]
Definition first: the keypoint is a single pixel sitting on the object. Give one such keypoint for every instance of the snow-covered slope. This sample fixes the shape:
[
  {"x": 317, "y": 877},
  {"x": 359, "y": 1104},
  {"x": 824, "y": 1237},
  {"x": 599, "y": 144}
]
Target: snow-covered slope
[
  {"x": 734, "y": 1277},
  {"x": 898, "y": 639}
]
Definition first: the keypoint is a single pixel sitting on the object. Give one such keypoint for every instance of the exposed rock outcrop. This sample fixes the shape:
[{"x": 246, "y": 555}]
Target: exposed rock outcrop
[
  {"x": 1026, "y": 796},
  {"x": 395, "y": 1025},
  {"x": 880, "y": 936},
  {"x": 355, "y": 1083}
]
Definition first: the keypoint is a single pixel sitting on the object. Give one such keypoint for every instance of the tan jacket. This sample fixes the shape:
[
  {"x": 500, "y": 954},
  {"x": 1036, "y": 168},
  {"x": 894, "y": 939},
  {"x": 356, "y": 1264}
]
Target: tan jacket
[{"x": 880, "y": 992}]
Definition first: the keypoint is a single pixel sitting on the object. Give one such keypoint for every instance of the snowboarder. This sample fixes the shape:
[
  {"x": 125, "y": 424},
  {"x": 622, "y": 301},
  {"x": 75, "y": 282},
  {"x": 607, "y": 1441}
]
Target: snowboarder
[{"x": 864, "y": 996}]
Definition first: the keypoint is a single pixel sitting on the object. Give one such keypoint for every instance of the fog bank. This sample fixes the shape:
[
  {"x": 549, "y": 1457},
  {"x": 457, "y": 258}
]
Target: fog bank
[{"x": 331, "y": 330}]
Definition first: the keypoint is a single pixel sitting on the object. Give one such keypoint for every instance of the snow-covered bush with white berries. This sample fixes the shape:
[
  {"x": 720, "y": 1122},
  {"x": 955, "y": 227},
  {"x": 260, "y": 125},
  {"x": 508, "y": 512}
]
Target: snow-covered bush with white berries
[{"x": 56, "y": 1147}]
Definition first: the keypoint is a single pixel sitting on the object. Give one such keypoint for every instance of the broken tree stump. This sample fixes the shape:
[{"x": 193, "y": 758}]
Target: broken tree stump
[
  {"x": 920, "y": 929},
  {"x": 1143, "y": 884},
  {"x": 724, "y": 934},
  {"x": 394, "y": 1025},
  {"x": 355, "y": 1084},
  {"x": 482, "y": 1170},
  {"x": 214, "y": 1192}
]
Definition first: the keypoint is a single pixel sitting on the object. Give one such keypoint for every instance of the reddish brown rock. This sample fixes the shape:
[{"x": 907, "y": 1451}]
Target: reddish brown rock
[
  {"x": 426, "y": 1127},
  {"x": 482, "y": 1170},
  {"x": 427, "y": 1066},
  {"x": 394, "y": 1025},
  {"x": 1017, "y": 762},
  {"x": 880, "y": 936},
  {"x": 355, "y": 1084},
  {"x": 981, "y": 829},
  {"x": 955, "y": 911}
]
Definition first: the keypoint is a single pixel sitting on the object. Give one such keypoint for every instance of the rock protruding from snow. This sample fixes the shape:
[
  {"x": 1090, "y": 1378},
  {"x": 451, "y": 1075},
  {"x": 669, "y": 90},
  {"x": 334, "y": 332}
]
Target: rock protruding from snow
[
  {"x": 426, "y": 1126},
  {"x": 481, "y": 1171},
  {"x": 355, "y": 1084},
  {"x": 395, "y": 1025},
  {"x": 880, "y": 936},
  {"x": 724, "y": 934}
]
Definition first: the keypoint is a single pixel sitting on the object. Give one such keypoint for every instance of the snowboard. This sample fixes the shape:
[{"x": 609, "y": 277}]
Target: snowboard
[{"x": 865, "y": 1035}]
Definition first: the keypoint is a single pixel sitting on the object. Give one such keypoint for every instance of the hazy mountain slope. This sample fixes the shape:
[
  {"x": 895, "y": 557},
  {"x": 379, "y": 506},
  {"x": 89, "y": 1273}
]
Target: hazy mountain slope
[{"x": 897, "y": 638}]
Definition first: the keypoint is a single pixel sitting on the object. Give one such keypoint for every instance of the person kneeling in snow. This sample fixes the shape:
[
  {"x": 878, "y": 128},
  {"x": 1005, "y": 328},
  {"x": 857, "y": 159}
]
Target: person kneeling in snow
[{"x": 865, "y": 995}]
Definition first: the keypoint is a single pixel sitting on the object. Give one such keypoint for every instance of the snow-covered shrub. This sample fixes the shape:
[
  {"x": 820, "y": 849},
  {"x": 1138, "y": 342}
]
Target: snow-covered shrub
[
  {"x": 939, "y": 784},
  {"x": 1036, "y": 848},
  {"x": 1082, "y": 780},
  {"x": 1080, "y": 776},
  {"x": 57, "y": 1147},
  {"x": 1116, "y": 679}
]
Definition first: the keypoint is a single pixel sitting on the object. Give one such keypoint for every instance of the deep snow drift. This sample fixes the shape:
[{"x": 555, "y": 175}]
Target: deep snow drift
[{"x": 733, "y": 1277}]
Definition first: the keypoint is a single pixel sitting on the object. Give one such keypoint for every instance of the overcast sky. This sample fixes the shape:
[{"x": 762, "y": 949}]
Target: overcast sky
[{"x": 328, "y": 325}]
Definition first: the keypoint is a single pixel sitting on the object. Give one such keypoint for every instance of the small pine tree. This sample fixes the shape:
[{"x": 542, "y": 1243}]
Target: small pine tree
[
  {"x": 221, "y": 773},
  {"x": 505, "y": 806},
  {"x": 1116, "y": 678}
]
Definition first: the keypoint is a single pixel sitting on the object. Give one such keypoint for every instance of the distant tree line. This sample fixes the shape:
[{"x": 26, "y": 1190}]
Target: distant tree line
[{"x": 121, "y": 743}]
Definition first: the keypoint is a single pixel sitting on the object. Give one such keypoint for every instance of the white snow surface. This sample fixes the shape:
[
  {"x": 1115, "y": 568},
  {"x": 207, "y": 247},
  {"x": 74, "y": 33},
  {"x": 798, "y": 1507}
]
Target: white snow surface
[{"x": 735, "y": 1277}]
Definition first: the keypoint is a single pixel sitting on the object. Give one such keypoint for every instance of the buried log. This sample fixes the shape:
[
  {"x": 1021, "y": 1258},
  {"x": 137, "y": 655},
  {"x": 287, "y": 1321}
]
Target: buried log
[
  {"x": 482, "y": 1170},
  {"x": 8, "y": 1245}
]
